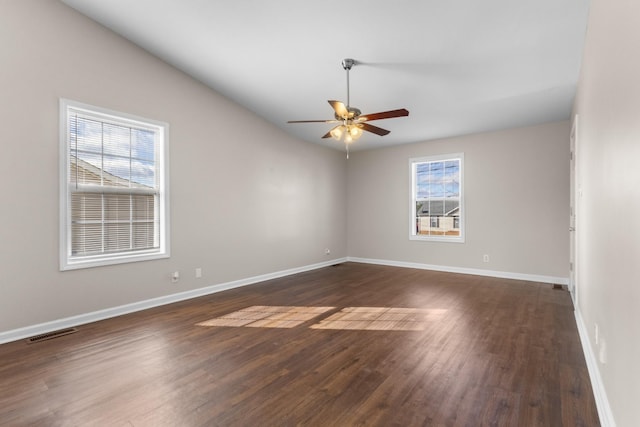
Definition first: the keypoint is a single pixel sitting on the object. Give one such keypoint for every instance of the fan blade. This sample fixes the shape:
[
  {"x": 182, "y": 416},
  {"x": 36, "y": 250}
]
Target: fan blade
[
  {"x": 374, "y": 129},
  {"x": 340, "y": 109},
  {"x": 313, "y": 121},
  {"x": 384, "y": 115}
]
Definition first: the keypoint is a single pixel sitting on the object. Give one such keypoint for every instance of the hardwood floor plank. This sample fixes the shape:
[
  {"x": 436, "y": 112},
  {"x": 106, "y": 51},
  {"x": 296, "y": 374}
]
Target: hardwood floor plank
[{"x": 496, "y": 352}]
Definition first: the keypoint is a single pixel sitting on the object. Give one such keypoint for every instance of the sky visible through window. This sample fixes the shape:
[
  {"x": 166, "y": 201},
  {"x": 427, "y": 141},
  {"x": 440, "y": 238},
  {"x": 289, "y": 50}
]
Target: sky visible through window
[
  {"x": 122, "y": 151},
  {"x": 438, "y": 180}
]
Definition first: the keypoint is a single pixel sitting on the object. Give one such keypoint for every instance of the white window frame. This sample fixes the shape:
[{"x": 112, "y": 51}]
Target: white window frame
[
  {"x": 67, "y": 260},
  {"x": 413, "y": 235}
]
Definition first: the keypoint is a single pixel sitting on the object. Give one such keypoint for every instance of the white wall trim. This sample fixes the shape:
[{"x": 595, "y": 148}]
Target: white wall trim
[
  {"x": 81, "y": 319},
  {"x": 599, "y": 393},
  {"x": 463, "y": 270},
  {"x": 67, "y": 108}
]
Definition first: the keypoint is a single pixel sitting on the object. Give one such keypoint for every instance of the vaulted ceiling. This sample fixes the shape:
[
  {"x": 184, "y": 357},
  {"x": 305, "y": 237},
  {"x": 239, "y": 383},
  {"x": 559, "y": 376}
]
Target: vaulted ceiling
[{"x": 458, "y": 66}]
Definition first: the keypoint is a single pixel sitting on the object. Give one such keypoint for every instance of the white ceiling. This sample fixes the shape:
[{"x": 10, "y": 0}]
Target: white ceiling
[{"x": 458, "y": 66}]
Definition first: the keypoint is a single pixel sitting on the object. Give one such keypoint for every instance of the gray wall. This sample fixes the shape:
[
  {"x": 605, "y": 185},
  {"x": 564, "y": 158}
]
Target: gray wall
[
  {"x": 246, "y": 199},
  {"x": 608, "y": 213},
  {"x": 516, "y": 192}
]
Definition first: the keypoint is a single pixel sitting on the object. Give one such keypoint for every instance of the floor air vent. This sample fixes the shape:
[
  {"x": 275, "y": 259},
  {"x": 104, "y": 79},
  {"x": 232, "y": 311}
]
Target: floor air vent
[{"x": 51, "y": 335}]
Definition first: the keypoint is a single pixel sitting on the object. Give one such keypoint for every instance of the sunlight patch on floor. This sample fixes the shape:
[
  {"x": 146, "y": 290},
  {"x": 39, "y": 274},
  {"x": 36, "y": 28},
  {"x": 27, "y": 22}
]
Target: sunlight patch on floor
[
  {"x": 349, "y": 318},
  {"x": 261, "y": 316},
  {"x": 381, "y": 319}
]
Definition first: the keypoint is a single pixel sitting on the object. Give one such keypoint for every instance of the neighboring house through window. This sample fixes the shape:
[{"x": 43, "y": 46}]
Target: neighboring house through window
[
  {"x": 114, "y": 192},
  {"x": 437, "y": 202}
]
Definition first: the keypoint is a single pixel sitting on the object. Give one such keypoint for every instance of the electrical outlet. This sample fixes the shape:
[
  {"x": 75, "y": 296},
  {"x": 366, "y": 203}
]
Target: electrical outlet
[
  {"x": 198, "y": 273},
  {"x": 327, "y": 251},
  {"x": 485, "y": 258},
  {"x": 175, "y": 276}
]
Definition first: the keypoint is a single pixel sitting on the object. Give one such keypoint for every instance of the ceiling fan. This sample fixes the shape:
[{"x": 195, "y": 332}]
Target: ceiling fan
[{"x": 351, "y": 122}]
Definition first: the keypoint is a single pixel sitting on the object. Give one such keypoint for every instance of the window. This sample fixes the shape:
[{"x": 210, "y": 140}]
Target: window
[
  {"x": 113, "y": 184},
  {"x": 436, "y": 198}
]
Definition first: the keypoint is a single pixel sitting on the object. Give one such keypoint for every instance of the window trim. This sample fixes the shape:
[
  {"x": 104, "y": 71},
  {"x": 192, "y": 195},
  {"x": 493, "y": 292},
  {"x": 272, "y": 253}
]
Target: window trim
[
  {"x": 67, "y": 262},
  {"x": 412, "y": 196}
]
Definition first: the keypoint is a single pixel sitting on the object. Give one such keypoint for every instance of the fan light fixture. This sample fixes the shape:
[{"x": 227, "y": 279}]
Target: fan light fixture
[
  {"x": 349, "y": 130},
  {"x": 349, "y": 121}
]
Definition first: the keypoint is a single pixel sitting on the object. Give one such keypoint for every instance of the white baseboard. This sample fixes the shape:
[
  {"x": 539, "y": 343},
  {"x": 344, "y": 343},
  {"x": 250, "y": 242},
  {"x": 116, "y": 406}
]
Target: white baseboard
[
  {"x": 29, "y": 331},
  {"x": 463, "y": 270},
  {"x": 599, "y": 393}
]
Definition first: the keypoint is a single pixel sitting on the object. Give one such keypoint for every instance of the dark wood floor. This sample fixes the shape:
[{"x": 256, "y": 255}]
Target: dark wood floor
[{"x": 505, "y": 353}]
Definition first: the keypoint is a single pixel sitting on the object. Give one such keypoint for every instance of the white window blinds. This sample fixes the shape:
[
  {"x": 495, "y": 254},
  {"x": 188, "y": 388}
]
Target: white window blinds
[{"x": 114, "y": 188}]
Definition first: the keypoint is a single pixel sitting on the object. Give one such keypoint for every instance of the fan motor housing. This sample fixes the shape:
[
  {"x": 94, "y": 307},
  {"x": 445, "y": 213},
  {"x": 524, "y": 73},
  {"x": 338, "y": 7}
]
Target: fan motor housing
[{"x": 354, "y": 113}]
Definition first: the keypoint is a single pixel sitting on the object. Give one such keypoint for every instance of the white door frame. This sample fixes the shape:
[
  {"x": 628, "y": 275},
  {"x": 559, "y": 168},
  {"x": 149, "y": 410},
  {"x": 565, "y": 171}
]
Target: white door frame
[{"x": 574, "y": 190}]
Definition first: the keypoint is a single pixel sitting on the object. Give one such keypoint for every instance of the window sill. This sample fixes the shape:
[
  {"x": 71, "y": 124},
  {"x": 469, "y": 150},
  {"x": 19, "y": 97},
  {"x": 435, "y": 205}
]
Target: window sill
[
  {"x": 100, "y": 261},
  {"x": 437, "y": 239}
]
